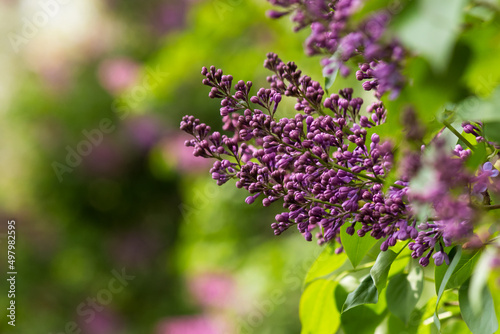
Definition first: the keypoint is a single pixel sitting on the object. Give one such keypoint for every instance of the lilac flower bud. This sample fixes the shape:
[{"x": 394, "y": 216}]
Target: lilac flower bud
[
  {"x": 350, "y": 230},
  {"x": 250, "y": 199},
  {"x": 423, "y": 226},
  {"x": 440, "y": 257},
  {"x": 424, "y": 262}
]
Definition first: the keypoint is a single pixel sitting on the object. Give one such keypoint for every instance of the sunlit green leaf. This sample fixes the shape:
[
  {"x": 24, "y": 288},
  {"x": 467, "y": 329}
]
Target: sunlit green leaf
[
  {"x": 454, "y": 262},
  {"x": 431, "y": 28},
  {"x": 354, "y": 246},
  {"x": 318, "y": 313},
  {"x": 325, "y": 264}
]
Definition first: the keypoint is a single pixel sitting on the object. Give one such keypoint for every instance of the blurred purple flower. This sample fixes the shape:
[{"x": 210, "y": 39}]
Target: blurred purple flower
[
  {"x": 171, "y": 15},
  {"x": 195, "y": 324},
  {"x": 135, "y": 248},
  {"x": 145, "y": 131},
  {"x": 116, "y": 75},
  {"x": 104, "y": 322},
  {"x": 105, "y": 159},
  {"x": 213, "y": 289}
]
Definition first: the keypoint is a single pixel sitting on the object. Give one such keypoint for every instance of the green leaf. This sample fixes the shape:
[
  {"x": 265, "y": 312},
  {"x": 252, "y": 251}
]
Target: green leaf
[
  {"x": 366, "y": 293},
  {"x": 330, "y": 79},
  {"x": 439, "y": 271},
  {"x": 477, "y": 158},
  {"x": 461, "y": 273},
  {"x": 354, "y": 246},
  {"x": 325, "y": 264},
  {"x": 431, "y": 27},
  {"x": 454, "y": 326},
  {"x": 380, "y": 270},
  {"x": 317, "y": 311},
  {"x": 464, "y": 269},
  {"x": 403, "y": 293},
  {"x": 396, "y": 326},
  {"x": 333, "y": 66},
  {"x": 340, "y": 297},
  {"x": 483, "y": 323},
  {"x": 479, "y": 280},
  {"x": 361, "y": 320},
  {"x": 454, "y": 262},
  {"x": 491, "y": 131}
]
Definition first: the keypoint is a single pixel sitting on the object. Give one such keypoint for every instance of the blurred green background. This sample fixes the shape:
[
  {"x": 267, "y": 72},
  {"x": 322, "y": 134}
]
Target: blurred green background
[{"x": 94, "y": 171}]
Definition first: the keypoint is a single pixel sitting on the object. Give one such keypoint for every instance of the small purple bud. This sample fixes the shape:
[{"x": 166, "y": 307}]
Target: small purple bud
[
  {"x": 424, "y": 262},
  {"x": 439, "y": 258},
  {"x": 350, "y": 230},
  {"x": 274, "y": 14},
  {"x": 277, "y": 97},
  {"x": 423, "y": 226}
]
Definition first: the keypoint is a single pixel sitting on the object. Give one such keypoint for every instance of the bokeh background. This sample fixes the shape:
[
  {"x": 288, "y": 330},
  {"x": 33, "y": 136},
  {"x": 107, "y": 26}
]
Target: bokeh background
[{"x": 94, "y": 171}]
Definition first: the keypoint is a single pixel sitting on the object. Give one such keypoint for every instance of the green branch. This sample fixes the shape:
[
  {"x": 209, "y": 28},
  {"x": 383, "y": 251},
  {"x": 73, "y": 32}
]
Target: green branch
[{"x": 459, "y": 135}]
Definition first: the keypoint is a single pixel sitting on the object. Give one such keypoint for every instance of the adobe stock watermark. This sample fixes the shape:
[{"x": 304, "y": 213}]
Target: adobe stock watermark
[
  {"x": 94, "y": 137},
  {"x": 87, "y": 310},
  {"x": 224, "y": 7},
  {"x": 31, "y": 26}
]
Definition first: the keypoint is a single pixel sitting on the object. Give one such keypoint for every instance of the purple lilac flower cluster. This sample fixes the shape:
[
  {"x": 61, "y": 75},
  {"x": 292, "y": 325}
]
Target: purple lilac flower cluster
[
  {"x": 336, "y": 36},
  {"x": 325, "y": 168},
  {"x": 328, "y": 172}
]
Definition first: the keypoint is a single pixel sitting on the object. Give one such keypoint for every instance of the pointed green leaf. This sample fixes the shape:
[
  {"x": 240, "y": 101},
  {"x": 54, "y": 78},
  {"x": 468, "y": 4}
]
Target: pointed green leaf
[
  {"x": 461, "y": 273},
  {"x": 486, "y": 321},
  {"x": 354, "y": 246},
  {"x": 325, "y": 264},
  {"x": 317, "y": 311},
  {"x": 454, "y": 262},
  {"x": 380, "y": 270},
  {"x": 366, "y": 293}
]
